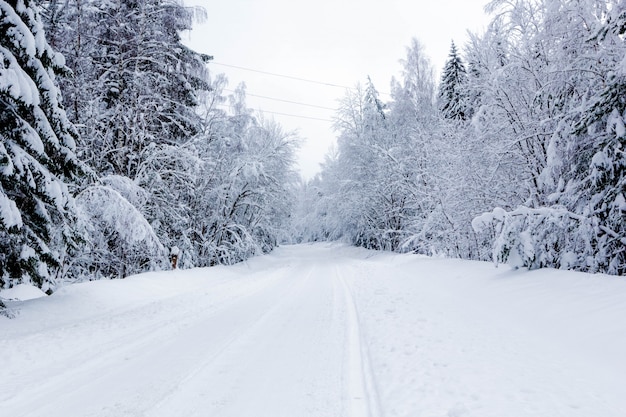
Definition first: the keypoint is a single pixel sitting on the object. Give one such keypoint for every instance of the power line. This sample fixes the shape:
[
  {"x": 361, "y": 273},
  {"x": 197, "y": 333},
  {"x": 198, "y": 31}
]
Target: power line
[
  {"x": 282, "y": 75},
  {"x": 285, "y": 101},
  {"x": 291, "y": 77},
  {"x": 283, "y": 114},
  {"x": 294, "y": 115}
]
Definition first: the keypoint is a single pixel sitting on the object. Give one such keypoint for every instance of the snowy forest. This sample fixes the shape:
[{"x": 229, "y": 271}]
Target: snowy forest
[
  {"x": 516, "y": 154},
  {"x": 120, "y": 147}
]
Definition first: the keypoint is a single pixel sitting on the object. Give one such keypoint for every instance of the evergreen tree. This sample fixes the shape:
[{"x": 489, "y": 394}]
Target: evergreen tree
[
  {"x": 374, "y": 108},
  {"x": 37, "y": 159},
  {"x": 133, "y": 82},
  {"x": 603, "y": 125},
  {"x": 72, "y": 28},
  {"x": 150, "y": 82},
  {"x": 453, "y": 95}
]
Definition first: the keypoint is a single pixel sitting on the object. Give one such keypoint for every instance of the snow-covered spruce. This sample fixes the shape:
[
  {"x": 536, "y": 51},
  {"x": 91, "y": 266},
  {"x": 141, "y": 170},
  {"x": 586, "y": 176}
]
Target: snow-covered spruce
[{"x": 37, "y": 160}]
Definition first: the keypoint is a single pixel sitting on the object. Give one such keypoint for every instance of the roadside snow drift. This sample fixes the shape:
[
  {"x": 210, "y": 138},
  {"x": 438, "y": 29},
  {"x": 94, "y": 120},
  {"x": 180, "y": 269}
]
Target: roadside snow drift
[{"x": 321, "y": 330}]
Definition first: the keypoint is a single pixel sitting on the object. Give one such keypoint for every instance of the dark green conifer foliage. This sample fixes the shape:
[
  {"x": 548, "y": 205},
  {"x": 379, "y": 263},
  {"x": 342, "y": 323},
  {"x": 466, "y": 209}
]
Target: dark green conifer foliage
[
  {"x": 603, "y": 125},
  {"x": 37, "y": 160},
  {"x": 453, "y": 88}
]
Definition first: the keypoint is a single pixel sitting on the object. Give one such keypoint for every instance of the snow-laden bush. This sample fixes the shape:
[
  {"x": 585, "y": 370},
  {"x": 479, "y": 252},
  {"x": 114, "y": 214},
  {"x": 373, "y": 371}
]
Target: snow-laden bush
[
  {"x": 228, "y": 244},
  {"x": 537, "y": 238},
  {"x": 120, "y": 241}
]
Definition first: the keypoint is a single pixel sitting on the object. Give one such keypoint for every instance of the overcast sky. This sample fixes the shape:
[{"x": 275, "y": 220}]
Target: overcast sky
[{"x": 338, "y": 42}]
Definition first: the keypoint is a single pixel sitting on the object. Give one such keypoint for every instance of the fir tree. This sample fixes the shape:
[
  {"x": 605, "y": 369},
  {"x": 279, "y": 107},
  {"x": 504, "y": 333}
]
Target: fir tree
[
  {"x": 37, "y": 160},
  {"x": 604, "y": 126},
  {"x": 452, "y": 90},
  {"x": 150, "y": 82},
  {"x": 373, "y": 106}
]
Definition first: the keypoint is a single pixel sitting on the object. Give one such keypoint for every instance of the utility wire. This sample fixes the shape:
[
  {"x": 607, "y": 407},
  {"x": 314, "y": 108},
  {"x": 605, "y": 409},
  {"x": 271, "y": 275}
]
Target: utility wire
[
  {"x": 282, "y": 76},
  {"x": 294, "y": 115},
  {"x": 291, "y": 77},
  {"x": 282, "y": 114},
  {"x": 285, "y": 101}
]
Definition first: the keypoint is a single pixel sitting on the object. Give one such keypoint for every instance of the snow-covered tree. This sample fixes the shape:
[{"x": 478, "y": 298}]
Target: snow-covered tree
[
  {"x": 453, "y": 95},
  {"x": 538, "y": 237},
  {"x": 235, "y": 187},
  {"x": 310, "y": 214},
  {"x": 540, "y": 149},
  {"x": 363, "y": 204},
  {"x": 574, "y": 53},
  {"x": 119, "y": 240},
  {"x": 601, "y": 184},
  {"x": 146, "y": 82},
  {"x": 72, "y": 28},
  {"x": 133, "y": 82},
  {"x": 420, "y": 149},
  {"x": 37, "y": 159}
]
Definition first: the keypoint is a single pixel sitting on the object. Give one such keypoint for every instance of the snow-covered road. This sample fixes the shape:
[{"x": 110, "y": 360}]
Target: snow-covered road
[{"x": 322, "y": 330}]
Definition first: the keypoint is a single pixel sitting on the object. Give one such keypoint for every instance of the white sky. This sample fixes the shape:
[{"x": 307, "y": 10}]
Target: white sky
[{"x": 333, "y": 41}]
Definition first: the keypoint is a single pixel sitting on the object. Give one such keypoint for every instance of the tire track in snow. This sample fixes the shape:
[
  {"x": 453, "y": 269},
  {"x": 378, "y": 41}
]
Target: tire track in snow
[{"x": 362, "y": 390}]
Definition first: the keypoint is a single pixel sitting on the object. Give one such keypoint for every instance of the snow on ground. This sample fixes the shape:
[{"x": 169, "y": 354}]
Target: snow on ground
[
  {"x": 22, "y": 292},
  {"x": 322, "y": 330}
]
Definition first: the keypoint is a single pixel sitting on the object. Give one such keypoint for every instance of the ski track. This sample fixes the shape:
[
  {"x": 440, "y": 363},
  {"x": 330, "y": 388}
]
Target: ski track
[
  {"x": 322, "y": 330},
  {"x": 363, "y": 391}
]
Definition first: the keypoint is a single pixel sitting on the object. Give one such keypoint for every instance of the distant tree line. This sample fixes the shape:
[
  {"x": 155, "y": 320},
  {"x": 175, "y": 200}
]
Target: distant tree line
[
  {"x": 518, "y": 154},
  {"x": 117, "y": 145}
]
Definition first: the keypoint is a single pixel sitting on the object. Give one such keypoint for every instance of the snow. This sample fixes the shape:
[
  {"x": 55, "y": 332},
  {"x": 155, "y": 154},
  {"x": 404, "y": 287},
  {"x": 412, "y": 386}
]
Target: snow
[
  {"x": 15, "y": 81},
  {"x": 22, "y": 292},
  {"x": 27, "y": 253},
  {"x": 620, "y": 202},
  {"x": 481, "y": 222},
  {"x": 56, "y": 190},
  {"x": 322, "y": 330},
  {"x": 132, "y": 192},
  {"x": 107, "y": 205},
  {"x": 9, "y": 213},
  {"x": 616, "y": 122}
]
